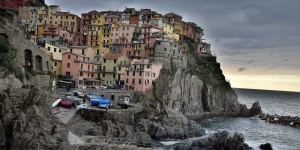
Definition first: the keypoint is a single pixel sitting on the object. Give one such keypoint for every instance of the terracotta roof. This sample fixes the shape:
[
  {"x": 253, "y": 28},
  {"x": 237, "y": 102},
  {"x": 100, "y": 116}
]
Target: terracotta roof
[{"x": 113, "y": 55}]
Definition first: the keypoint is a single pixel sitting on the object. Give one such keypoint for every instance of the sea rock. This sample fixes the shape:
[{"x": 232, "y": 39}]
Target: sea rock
[
  {"x": 219, "y": 141},
  {"x": 255, "y": 109},
  {"x": 266, "y": 146},
  {"x": 173, "y": 125}
]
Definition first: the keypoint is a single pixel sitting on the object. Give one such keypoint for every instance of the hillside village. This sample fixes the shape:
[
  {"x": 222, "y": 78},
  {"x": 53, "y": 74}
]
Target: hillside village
[{"x": 111, "y": 48}]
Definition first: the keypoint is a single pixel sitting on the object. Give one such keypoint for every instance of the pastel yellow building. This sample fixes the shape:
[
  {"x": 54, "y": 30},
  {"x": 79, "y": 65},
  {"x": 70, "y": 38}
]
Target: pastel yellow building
[
  {"x": 112, "y": 69},
  {"x": 56, "y": 55},
  {"x": 95, "y": 33},
  {"x": 168, "y": 28}
]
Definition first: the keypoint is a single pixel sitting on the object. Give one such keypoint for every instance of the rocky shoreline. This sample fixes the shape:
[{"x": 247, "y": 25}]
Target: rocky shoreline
[{"x": 282, "y": 120}]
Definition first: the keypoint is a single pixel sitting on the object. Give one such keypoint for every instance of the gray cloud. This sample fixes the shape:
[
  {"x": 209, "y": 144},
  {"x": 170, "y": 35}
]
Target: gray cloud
[
  {"x": 261, "y": 34},
  {"x": 241, "y": 69}
]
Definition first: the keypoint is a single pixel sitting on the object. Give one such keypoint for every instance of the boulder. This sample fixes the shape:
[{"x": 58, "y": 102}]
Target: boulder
[
  {"x": 266, "y": 146},
  {"x": 255, "y": 109},
  {"x": 219, "y": 141}
]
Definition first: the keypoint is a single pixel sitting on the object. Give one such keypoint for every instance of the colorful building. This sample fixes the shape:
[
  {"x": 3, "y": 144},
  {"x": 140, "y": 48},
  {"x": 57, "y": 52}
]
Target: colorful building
[
  {"x": 78, "y": 66},
  {"x": 141, "y": 74},
  {"x": 172, "y": 18},
  {"x": 13, "y": 4},
  {"x": 56, "y": 55},
  {"x": 111, "y": 68}
]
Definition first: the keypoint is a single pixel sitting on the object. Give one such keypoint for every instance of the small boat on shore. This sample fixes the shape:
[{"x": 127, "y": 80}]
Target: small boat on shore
[
  {"x": 56, "y": 103},
  {"x": 81, "y": 106},
  {"x": 66, "y": 104}
]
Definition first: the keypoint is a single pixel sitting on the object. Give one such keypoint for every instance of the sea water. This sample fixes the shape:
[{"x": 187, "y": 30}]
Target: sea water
[{"x": 257, "y": 131}]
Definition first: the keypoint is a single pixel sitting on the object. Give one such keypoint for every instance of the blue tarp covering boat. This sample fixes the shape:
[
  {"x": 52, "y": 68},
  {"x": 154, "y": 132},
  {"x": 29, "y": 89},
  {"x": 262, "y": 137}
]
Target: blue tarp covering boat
[{"x": 102, "y": 102}]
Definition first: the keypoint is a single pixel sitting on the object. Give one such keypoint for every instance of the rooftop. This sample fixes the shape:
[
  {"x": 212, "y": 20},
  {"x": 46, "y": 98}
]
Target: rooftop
[{"x": 113, "y": 55}]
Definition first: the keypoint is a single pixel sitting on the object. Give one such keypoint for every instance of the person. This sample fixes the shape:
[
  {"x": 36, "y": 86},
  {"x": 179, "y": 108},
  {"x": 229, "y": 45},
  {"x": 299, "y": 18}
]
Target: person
[{"x": 106, "y": 107}]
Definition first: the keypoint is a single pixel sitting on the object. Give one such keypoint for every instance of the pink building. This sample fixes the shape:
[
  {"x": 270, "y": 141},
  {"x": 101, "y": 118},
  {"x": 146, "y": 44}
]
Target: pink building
[
  {"x": 141, "y": 74},
  {"x": 127, "y": 49},
  {"x": 112, "y": 17},
  {"x": 79, "y": 67},
  {"x": 150, "y": 42},
  {"x": 121, "y": 33}
]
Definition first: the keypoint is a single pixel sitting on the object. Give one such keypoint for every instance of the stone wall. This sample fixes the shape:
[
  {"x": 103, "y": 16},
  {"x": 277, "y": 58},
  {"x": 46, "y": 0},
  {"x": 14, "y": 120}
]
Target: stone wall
[
  {"x": 41, "y": 81},
  {"x": 125, "y": 116},
  {"x": 16, "y": 38},
  {"x": 115, "y": 95}
]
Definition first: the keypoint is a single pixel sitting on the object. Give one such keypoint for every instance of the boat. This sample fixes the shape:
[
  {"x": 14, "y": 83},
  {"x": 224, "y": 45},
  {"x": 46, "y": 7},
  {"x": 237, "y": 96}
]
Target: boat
[
  {"x": 81, "y": 106},
  {"x": 66, "y": 104},
  {"x": 56, "y": 110},
  {"x": 55, "y": 103},
  {"x": 103, "y": 102}
]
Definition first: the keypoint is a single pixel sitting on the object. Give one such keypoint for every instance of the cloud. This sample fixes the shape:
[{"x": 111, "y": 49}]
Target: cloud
[{"x": 241, "y": 69}]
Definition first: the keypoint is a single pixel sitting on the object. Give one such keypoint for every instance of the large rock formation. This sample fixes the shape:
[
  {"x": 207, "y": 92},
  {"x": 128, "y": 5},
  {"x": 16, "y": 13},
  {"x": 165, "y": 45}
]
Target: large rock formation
[
  {"x": 193, "y": 85},
  {"x": 219, "y": 141},
  {"x": 27, "y": 122}
]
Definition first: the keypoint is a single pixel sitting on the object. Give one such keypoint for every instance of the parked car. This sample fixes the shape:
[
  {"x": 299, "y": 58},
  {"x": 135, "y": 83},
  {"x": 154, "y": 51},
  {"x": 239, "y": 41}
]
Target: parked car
[
  {"x": 74, "y": 99},
  {"x": 79, "y": 94},
  {"x": 102, "y": 87}
]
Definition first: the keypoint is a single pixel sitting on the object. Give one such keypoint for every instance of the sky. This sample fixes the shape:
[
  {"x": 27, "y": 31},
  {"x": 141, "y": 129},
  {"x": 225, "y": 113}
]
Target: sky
[{"x": 257, "y": 42}]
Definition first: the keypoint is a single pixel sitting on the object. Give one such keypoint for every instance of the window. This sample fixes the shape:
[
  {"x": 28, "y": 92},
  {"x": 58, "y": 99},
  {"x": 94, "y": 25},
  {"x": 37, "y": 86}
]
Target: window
[
  {"x": 119, "y": 68},
  {"x": 48, "y": 48},
  {"x": 123, "y": 28},
  {"x": 133, "y": 73},
  {"x": 69, "y": 56},
  {"x": 82, "y": 52},
  {"x": 127, "y": 34},
  {"x": 54, "y": 49},
  {"x": 114, "y": 75},
  {"x": 141, "y": 73},
  {"x": 127, "y": 80},
  {"x": 104, "y": 60},
  {"x": 127, "y": 73},
  {"x": 140, "y": 81},
  {"x": 165, "y": 49},
  {"x": 103, "y": 74},
  {"x": 55, "y": 63},
  {"x": 153, "y": 74},
  {"x": 115, "y": 61},
  {"x": 148, "y": 66},
  {"x": 132, "y": 80},
  {"x": 98, "y": 51},
  {"x": 81, "y": 74},
  {"x": 68, "y": 65},
  {"x": 71, "y": 50},
  {"x": 127, "y": 28}
]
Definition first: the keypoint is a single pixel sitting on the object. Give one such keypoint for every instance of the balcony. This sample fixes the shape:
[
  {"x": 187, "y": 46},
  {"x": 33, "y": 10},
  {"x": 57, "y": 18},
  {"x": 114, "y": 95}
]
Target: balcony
[
  {"x": 110, "y": 70},
  {"x": 124, "y": 64},
  {"x": 98, "y": 70}
]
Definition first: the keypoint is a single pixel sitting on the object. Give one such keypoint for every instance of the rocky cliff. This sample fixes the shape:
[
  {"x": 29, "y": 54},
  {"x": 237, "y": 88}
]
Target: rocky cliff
[{"x": 194, "y": 86}]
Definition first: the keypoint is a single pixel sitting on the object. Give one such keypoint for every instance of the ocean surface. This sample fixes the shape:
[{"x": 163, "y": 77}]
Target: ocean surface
[{"x": 257, "y": 131}]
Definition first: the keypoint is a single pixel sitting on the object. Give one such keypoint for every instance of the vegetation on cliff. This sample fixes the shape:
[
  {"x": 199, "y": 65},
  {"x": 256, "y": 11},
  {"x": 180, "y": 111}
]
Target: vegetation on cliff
[
  {"x": 7, "y": 54},
  {"x": 205, "y": 66}
]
